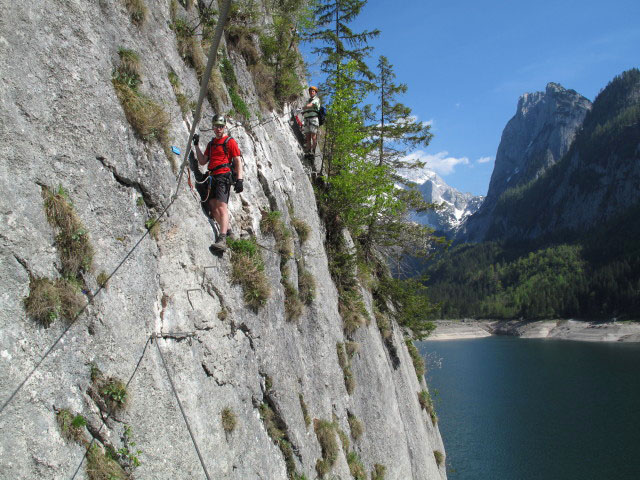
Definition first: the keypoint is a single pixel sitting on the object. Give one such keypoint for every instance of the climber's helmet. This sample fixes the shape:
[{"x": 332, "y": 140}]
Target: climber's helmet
[{"x": 218, "y": 121}]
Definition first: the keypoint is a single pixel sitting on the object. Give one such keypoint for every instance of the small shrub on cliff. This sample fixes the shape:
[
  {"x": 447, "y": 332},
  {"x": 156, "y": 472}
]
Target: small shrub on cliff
[
  {"x": 272, "y": 223},
  {"x": 247, "y": 269}
]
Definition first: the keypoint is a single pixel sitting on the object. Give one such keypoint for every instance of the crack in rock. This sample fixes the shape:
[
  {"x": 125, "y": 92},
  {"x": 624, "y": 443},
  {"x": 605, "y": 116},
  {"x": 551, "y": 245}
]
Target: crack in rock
[{"x": 126, "y": 182}]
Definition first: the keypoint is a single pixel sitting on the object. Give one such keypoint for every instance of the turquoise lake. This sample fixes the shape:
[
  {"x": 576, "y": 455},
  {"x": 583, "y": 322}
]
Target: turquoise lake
[{"x": 521, "y": 409}]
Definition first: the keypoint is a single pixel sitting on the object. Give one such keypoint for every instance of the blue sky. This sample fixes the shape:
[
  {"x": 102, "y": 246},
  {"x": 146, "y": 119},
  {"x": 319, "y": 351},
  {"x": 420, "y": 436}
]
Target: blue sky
[{"x": 467, "y": 62}]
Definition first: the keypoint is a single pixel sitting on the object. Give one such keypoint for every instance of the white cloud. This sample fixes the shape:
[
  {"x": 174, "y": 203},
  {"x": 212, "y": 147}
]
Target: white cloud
[
  {"x": 441, "y": 162},
  {"x": 484, "y": 160}
]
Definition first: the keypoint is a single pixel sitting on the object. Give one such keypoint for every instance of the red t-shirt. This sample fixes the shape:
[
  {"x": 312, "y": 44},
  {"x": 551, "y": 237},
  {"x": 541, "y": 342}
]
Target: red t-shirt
[{"x": 216, "y": 156}]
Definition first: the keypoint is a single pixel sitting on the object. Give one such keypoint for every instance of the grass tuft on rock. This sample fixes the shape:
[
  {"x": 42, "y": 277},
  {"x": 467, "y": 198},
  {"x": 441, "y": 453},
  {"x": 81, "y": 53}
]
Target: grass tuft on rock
[
  {"x": 293, "y": 307},
  {"x": 355, "y": 426},
  {"x": 272, "y": 223},
  {"x": 439, "y": 456},
  {"x": 326, "y": 435},
  {"x": 426, "y": 403},
  {"x": 378, "y": 472},
  {"x": 302, "y": 229},
  {"x": 305, "y": 410},
  {"x": 72, "y": 240},
  {"x": 149, "y": 120},
  {"x": 50, "y": 300},
  {"x": 101, "y": 466},
  {"x": 137, "y": 11},
  {"x": 72, "y": 426},
  {"x": 343, "y": 361},
  {"x": 229, "y": 420},
  {"x": 247, "y": 270},
  {"x": 356, "y": 467},
  {"x": 306, "y": 284}
]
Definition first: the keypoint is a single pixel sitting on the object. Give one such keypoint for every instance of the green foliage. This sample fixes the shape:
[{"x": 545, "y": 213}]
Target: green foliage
[
  {"x": 409, "y": 299},
  {"x": 183, "y": 101},
  {"x": 597, "y": 278},
  {"x": 153, "y": 225},
  {"x": 102, "y": 279},
  {"x": 71, "y": 426},
  {"x": 229, "y": 77},
  {"x": 248, "y": 271},
  {"x": 335, "y": 36},
  {"x": 426, "y": 403},
  {"x": 114, "y": 392},
  {"x": 279, "y": 47},
  {"x": 439, "y": 456},
  {"x": 229, "y": 420},
  {"x": 272, "y": 223},
  {"x": 128, "y": 457},
  {"x": 418, "y": 361}
]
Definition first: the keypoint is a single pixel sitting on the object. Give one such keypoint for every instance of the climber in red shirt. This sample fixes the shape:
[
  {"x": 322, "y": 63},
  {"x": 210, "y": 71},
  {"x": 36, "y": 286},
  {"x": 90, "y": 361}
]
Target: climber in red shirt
[{"x": 224, "y": 161}]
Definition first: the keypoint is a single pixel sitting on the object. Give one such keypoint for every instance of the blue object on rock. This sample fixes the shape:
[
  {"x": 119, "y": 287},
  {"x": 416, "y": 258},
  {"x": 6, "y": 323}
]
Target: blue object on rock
[{"x": 176, "y": 150}]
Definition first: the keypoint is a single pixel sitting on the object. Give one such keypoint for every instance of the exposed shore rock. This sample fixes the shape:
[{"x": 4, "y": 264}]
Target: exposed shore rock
[{"x": 558, "y": 329}]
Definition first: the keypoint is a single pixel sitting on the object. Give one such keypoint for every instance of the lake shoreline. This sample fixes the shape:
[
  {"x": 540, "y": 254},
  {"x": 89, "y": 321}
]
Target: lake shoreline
[{"x": 577, "y": 330}]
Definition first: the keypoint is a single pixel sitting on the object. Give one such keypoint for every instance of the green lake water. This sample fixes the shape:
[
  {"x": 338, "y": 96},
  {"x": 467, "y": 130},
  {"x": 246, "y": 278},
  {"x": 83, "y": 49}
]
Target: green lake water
[{"x": 521, "y": 409}]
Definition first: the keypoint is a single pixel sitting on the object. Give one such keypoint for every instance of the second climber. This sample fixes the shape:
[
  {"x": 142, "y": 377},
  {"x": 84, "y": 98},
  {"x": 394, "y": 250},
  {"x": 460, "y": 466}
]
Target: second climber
[{"x": 311, "y": 122}]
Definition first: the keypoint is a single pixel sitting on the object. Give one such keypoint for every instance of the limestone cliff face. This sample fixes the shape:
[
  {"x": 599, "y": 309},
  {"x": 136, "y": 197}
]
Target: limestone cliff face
[
  {"x": 62, "y": 124},
  {"x": 537, "y": 136}
]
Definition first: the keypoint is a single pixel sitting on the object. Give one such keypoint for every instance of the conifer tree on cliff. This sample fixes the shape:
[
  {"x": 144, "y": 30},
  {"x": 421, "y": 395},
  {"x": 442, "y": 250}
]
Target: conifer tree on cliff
[{"x": 341, "y": 44}]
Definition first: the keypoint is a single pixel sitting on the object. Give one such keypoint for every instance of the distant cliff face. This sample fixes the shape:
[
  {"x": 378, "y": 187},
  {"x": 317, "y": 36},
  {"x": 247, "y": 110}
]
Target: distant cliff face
[
  {"x": 538, "y": 135},
  {"x": 455, "y": 206},
  {"x": 596, "y": 181},
  {"x": 284, "y": 382}
]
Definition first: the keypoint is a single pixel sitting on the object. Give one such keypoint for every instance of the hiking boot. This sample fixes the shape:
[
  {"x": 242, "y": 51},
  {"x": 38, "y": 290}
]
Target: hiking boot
[{"x": 220, "y": 245}]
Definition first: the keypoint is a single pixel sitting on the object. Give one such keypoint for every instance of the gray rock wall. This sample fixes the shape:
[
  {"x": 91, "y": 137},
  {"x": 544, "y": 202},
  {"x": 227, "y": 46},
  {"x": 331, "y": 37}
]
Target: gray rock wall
[{"x": 62, "y": 124}]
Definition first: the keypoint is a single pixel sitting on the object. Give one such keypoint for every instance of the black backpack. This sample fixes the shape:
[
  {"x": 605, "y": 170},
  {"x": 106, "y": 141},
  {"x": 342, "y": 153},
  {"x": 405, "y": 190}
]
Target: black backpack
[{"x": 322, "y": 113}]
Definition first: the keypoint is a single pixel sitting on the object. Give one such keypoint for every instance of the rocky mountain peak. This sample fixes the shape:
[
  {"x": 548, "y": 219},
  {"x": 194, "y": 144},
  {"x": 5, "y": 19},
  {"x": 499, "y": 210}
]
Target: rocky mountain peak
[{"x": 536, "y": 137}]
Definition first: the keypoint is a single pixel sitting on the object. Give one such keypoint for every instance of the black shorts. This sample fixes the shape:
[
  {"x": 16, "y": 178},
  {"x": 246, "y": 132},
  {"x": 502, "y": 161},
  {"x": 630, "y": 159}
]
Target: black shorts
[{"x": 220, "y": 187}]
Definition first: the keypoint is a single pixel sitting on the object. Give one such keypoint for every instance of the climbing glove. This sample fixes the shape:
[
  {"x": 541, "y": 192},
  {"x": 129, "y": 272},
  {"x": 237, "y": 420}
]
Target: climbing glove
[
  {"x": 196, "y": 138},
  {"x": 238, "y": 187}
]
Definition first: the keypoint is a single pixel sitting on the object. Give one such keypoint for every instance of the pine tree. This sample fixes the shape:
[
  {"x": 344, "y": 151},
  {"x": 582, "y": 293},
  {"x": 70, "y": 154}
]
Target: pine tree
[{"x": 341, "y": 44}]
